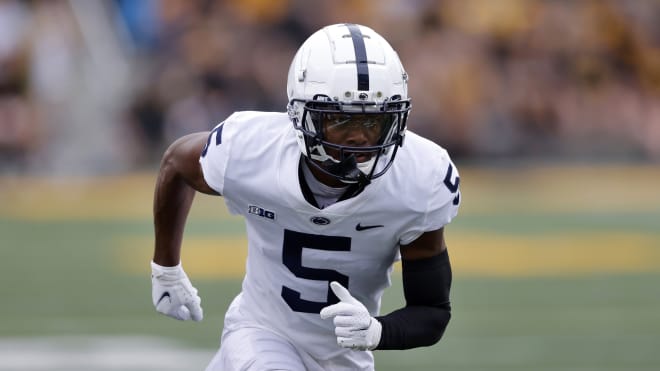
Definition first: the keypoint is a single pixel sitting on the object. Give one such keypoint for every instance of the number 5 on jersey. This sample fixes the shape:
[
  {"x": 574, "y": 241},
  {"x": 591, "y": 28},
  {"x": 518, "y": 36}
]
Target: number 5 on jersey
[
  {"x": 292, "y": 250},
  {"x": 453, "y": 185}
]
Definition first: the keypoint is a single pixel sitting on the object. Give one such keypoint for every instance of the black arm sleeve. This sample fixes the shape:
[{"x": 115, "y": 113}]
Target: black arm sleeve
[{"x": 426, "y": 284}]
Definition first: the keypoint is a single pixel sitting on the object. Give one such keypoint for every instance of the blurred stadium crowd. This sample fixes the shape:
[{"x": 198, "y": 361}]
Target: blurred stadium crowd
[{"x": 89, "y": 87}]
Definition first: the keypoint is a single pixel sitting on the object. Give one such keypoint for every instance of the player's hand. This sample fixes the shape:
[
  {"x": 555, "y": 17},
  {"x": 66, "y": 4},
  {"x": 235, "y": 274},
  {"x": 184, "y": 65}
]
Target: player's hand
[
  {"x": 173, "y": 295},
  {"x": 354, "y": 326}
]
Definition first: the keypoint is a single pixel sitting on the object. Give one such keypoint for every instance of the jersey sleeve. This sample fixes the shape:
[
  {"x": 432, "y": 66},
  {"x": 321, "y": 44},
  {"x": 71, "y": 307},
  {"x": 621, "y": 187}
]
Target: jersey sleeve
[
  {"x": 216, "y": 154},
  {"x": 444, "y": 199}
]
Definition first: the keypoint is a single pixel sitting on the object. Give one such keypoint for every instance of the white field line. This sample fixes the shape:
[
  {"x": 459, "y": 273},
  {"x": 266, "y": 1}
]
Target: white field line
[{"x": 96, "y": 353}]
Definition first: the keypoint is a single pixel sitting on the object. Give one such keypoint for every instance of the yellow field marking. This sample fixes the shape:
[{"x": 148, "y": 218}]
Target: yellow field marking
[
  {"x": 484, "y": 255},
  {"x": 604, "y": 188},
  {"x": 574, "y": 254},
  {"x": 485, "y": 190},
  {"x": 83, "y": 198},
  {"x": 35, "y": 198},
  {"x": 201, "y": 257}
]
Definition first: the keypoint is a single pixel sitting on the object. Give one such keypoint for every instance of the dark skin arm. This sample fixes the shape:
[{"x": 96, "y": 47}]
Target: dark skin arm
[
  {"x": 426, "y": 279},
  {"x": 179, "y": 177},
  {"x": 425, "y": 246}
]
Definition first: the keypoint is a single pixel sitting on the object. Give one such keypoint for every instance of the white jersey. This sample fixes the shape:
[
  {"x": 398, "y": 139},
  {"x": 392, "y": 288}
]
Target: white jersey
[{"x": 296, "y": 249}]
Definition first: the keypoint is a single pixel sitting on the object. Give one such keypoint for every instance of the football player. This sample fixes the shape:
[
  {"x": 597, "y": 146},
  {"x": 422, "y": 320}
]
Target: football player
[{"x": 333, "y": 192}]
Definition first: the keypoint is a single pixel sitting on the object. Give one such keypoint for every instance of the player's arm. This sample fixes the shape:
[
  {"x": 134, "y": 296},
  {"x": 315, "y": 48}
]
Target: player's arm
[
  {"x": 426, "y": 275},
  {"x": 179, "y": 177},
  {"x": 426, "y": 282}
]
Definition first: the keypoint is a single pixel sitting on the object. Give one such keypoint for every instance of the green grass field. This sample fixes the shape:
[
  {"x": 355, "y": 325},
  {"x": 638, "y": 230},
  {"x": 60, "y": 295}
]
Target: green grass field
[{"x": 555, "y": 268}]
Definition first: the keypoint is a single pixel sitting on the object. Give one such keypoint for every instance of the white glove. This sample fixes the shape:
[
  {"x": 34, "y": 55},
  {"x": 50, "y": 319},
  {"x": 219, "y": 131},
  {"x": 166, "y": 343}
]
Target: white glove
[
  {"x": 354, "y": 326},
  {"x": 173, "y": 295}
]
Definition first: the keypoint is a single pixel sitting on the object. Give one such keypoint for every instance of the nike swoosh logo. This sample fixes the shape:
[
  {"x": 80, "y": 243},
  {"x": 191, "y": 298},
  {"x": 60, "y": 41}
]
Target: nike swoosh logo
[
  {"x": 166, "y": 294},
  {"x": 360, "y": 227}
]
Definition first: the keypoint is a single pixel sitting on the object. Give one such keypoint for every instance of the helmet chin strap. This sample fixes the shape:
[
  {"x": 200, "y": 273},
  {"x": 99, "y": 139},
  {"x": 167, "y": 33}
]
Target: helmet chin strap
[{"x": 347, "y": 168}]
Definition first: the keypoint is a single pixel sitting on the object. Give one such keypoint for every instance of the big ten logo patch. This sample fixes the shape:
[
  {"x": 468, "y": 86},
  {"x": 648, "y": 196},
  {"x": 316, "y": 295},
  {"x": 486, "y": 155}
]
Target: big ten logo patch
[{"x": 260, "y": 211}]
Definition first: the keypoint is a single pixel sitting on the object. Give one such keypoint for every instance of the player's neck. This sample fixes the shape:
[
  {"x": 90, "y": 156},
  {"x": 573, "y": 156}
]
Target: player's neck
[{"x": 325, "y": 178}]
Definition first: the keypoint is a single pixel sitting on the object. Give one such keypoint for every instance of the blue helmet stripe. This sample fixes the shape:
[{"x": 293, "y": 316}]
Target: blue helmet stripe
[{"x": 360, "y": 57}]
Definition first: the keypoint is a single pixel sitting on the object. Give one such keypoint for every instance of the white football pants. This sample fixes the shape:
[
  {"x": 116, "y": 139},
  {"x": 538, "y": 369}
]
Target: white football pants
[{"x": 257, "y": 349}]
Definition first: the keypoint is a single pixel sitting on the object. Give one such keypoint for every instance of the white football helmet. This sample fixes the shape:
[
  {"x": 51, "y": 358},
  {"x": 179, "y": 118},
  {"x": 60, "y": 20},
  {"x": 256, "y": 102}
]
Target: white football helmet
[{"x": 348, "y": 75}]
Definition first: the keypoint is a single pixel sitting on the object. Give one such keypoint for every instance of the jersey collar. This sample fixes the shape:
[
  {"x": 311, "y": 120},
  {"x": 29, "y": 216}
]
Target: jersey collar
[{"x": 352, "y": 190}]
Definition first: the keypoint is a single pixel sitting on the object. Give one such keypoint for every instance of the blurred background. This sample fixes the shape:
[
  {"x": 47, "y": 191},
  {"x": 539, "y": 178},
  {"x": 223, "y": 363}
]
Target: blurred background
[{"x": 550, "y": 109}]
